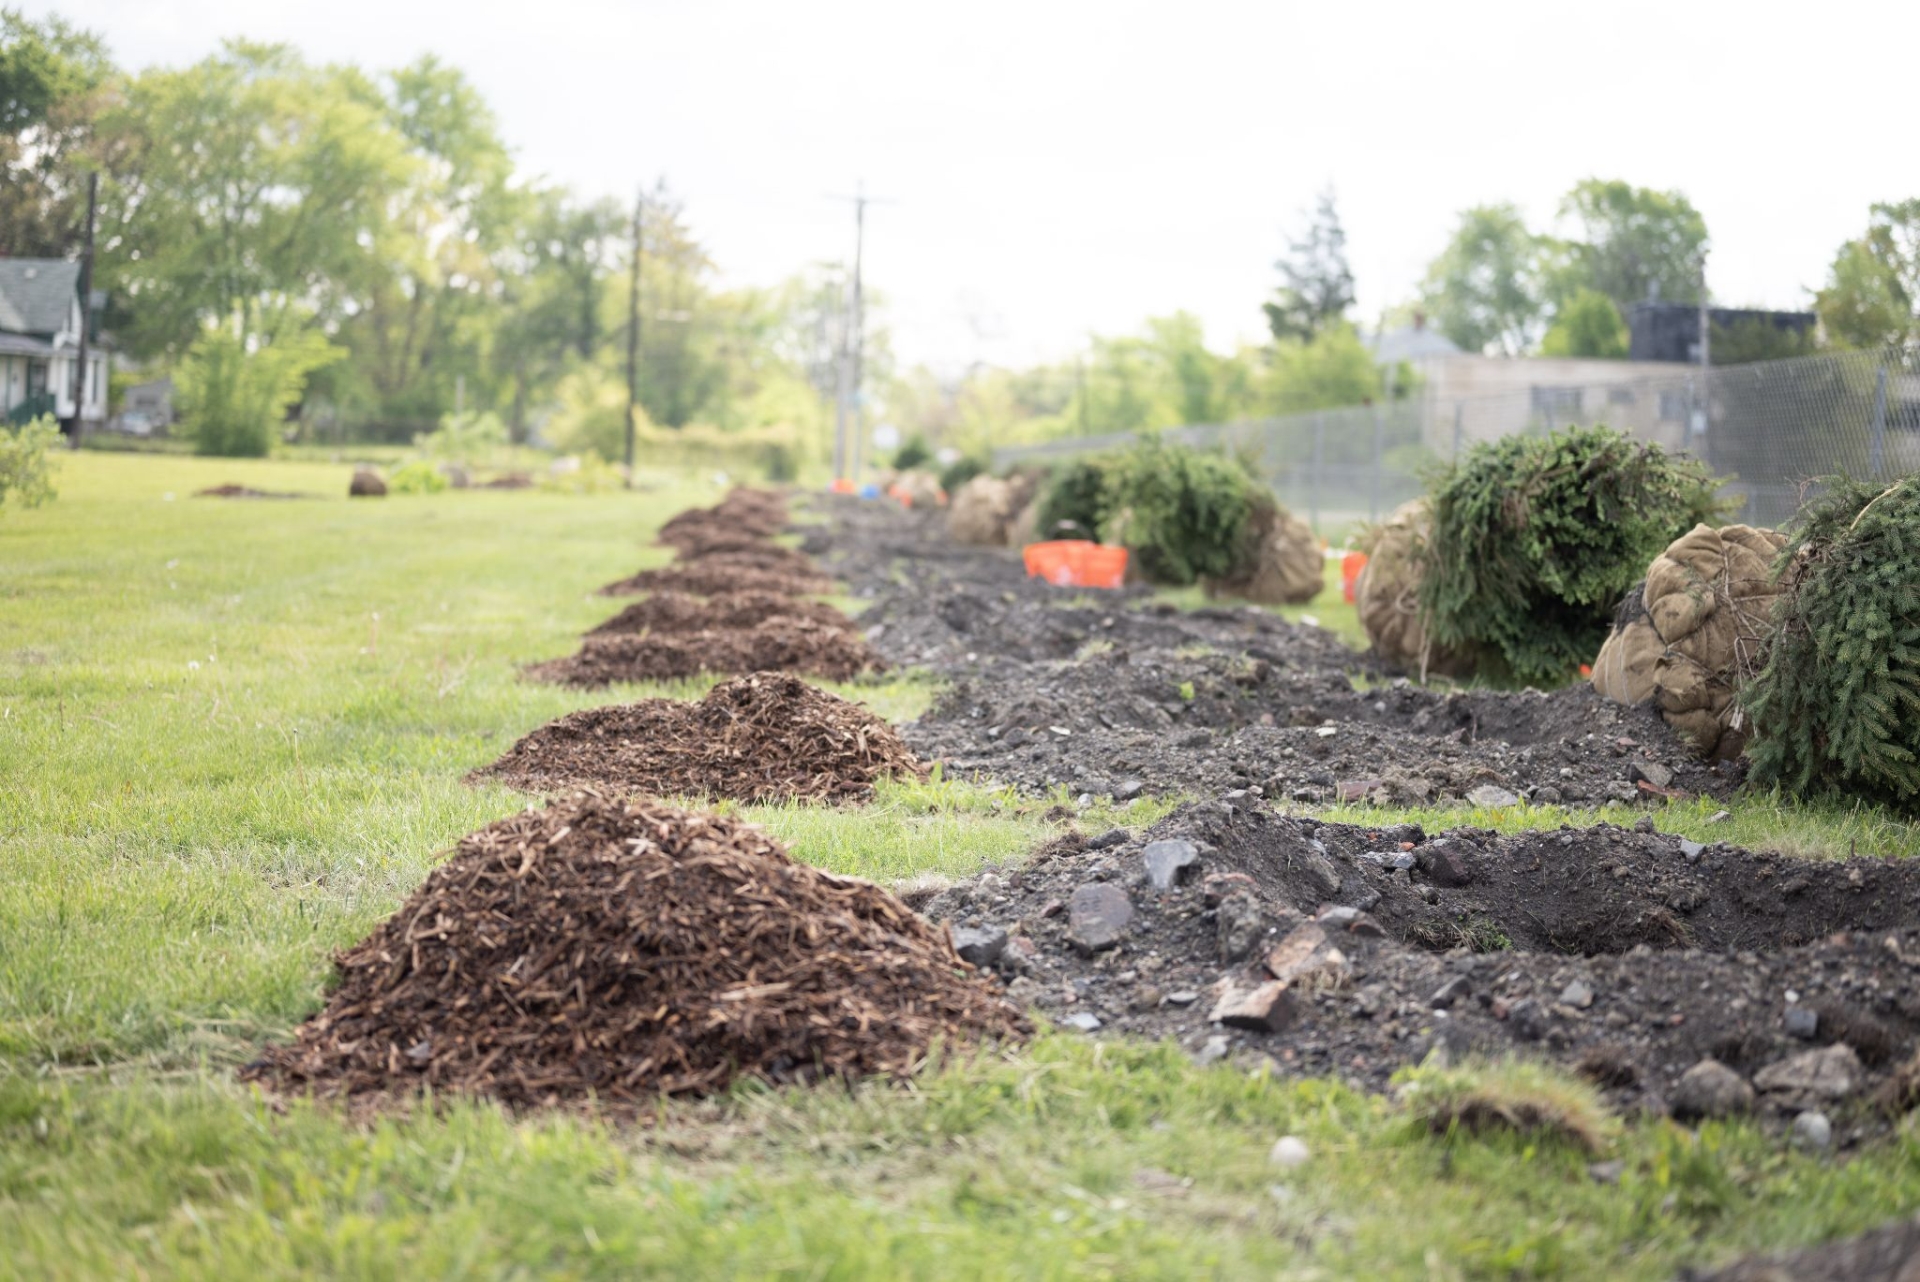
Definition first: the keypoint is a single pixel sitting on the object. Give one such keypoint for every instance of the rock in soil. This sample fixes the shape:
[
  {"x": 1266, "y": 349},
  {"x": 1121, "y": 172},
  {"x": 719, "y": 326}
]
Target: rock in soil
[
  {"x": 772, "y": 645},
  {"x": 765, "y": 737},
  {"x": 624, "y": 951},
  {"x": 1602, "y": 949}
]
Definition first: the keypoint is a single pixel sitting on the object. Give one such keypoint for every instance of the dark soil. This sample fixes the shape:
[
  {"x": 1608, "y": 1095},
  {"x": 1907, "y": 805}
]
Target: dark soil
[
  {"x": 765, "y": 737},
  {"x": 773, "y": 645},
  {"x": 232, "y": 491},
  {"x": 1890, "y": 1253},
  {"x": 716, "y": 577},
  {"x": 603, "y": 949},
  {"x": 1481, "y": 943},
  {"x": 680, "y": 612}
]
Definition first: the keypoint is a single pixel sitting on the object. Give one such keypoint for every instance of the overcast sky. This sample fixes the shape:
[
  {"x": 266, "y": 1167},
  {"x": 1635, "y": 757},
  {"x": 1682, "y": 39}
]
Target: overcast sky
[{"x": 1059, "y": 169}]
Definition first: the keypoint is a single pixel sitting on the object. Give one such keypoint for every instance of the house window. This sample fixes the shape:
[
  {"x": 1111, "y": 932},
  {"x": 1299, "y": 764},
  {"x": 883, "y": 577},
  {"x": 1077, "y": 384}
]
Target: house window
[
  {"x": 1558, "y": 403},
  {"x": 1619, "y": 396}
]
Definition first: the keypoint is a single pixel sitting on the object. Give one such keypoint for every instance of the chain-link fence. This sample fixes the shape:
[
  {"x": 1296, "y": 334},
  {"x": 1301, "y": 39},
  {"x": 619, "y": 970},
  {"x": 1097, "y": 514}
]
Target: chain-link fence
[{"x": 1773, "y": 429}]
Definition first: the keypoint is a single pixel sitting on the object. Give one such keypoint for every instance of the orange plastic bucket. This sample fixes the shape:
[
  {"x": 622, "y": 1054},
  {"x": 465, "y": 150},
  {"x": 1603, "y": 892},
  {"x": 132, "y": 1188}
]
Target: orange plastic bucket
[
  {"x": 844, "y": 485},
  {"x": 1076, "y": 563},
  {"x": 1350, "y": 566}
]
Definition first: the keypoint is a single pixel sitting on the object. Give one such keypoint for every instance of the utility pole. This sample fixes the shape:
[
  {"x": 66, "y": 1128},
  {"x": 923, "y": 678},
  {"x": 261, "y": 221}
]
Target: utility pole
[
  {"x": 848, "y": 417},
  {"x": 86, "y": 315},
  {"x": 633, "y": 326},
  {"x": 1706, "y": 362}
]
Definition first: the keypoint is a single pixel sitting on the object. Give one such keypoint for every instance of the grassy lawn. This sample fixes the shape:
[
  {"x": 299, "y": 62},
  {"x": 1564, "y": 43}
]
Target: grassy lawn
[{"x": 232, "y": 736}]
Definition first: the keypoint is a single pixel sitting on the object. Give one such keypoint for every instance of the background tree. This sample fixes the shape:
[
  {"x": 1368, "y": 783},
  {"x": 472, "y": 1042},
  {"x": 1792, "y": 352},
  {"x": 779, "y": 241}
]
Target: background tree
[
  {"x": 1588, "y": 324},
  {"x": 1316, "y": 285},
  {"x": 1484, "y": 290},
  {"x": 54, "y": 81},
  {"x": 1633, "y": 241},
  {"x": 1872, "y": 296}
]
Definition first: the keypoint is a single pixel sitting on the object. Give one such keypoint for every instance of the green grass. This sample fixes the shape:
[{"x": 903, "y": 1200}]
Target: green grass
[{"x": 219, "y": 768}]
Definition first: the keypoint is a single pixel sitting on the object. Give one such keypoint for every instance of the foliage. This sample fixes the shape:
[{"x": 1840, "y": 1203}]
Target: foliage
[
  {"x": 960, "y": 471},
  {"x": 468, "y": 438},
  {"x": 1588, "y": 324},
  {"x": 589, "y": 474},
  {"x": 1634, "y": 241},
  {"x": 1836, "y": 704},
  {"x": 1523, "y": 1096},
  {"x": 417, "y": 477},
  {"x": 233, "y": 400},
  {"x": 1535, "y": 538},
  {"x": 1316, "y": 285},
  {"x": 1180, "y": 511},
  {"x": 1483, "y": 291},
  {"x": 779, "y": 463},
  {"x": 1757, "y": 338},
  {"x": 1075, "y": 495},
  {"x": 591, "y": 414},
  {"x": 913, "y": 452},
  {"x": 54, "y": 81},
  {"x": 1333, "y": 371},
  {"x": 1872, "y": 297},
  {"x": 25, "y": 469}
]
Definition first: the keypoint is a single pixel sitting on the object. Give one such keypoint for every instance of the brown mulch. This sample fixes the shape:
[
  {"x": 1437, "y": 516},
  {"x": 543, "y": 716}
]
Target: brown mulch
[
  {"x": 621, "y": 951},
  {"x": 773, "y": 645},
  {"x": 758, "y": 513},
  {"x": 232, "y": 491},
  {"x": 715, "y": 576},
  {"x": 746, "y": 554},
  {"x": 680, "y": 612},
  {"x": 765, "y": 737},
  {"x": 508, "y": 481}
]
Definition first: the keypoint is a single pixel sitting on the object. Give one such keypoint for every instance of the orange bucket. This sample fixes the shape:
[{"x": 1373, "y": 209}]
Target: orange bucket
[
  {"x": 1076, "y": 563},
  {"x": 844, "y": 485},
  {"x": 1350, "y": 566}
]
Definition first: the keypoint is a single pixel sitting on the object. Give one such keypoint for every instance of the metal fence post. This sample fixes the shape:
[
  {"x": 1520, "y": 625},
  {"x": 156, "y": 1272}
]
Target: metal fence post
[
  {"x": 1459, "y": 416},
  {"x": 1686, "y": 427},
  {"x": 1878, "y": 458},
  {"x": 1319, "y": 458},
  {"x": 1373, "y": 489}
]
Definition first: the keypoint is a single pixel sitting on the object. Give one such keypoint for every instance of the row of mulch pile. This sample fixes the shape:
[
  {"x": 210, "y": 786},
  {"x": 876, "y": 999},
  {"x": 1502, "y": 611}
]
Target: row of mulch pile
[{"x": 616, "y": 951}]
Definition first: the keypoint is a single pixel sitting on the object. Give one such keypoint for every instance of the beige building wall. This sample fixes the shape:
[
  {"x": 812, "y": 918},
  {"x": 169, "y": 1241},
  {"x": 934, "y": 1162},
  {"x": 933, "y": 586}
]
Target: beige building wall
[{"x": 1489, "y": 397}]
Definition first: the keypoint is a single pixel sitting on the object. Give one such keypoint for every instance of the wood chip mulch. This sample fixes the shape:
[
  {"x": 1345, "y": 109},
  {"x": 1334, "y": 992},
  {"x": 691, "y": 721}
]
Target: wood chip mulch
[
  {"x": 717, "y": 575},
  {"x": 744, "y": 511},
  {"x": 765, "y": 737},
  {"x": 683, "y": 612},
  {"x": 620, "y": 951},
  {"x": 822, "y": 650}
]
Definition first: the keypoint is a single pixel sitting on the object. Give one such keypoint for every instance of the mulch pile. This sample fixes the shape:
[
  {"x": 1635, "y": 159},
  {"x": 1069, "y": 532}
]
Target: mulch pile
[
  {"x": 232, "y": 491},
  {"x": 765, "y": 737},
  {"x": 774, "y": 645},
  {"x": 618, "y": 951},
  {"x": 744, "y": 511},
  {"x": 715, "y": 576},
  {"x": 681, "y": 612}
]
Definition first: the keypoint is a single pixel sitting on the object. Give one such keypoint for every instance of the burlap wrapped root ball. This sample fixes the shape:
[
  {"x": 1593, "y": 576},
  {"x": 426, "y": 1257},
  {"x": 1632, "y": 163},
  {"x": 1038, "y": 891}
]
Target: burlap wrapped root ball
[
  {"x": 1280, "y": 562},
  {"x": 1387, "y": 593},
  {"x": 1687, "y": 637},
  {"x": 986, "y": 508},
  {"x": 919, "y": 490}
]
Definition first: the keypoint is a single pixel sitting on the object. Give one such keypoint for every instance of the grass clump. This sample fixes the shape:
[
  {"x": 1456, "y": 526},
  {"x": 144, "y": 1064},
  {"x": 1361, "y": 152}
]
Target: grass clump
[
  {"x": 1521, "y": 1096},
  {"x": 1836, "y": 705},
  {"x": 1535, "y": 538}
]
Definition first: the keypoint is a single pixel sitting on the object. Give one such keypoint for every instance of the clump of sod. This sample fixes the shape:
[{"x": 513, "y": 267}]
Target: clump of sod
[
  {"x": 1517, "y": 1096},
  {"x": 1535, "y": 538},
  {"x": 1836, "y": 704}
]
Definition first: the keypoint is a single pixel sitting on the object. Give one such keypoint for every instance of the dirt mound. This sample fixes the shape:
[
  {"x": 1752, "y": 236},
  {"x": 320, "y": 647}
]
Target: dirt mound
[
  {"x": 1685, "y": 638},
  {"x": 744, "y": 511},
  {"x": 1282, "y": 562},
  {"x": 717, "y": 576},
  {"x": 232, "y": 491},
  {"x": 1890, "y": 1253},
  {"x": 772, "y": 645},
  {"x": 765, "y": 737},
  {"x": 679, "y": 612},
  {"x": 746, "y": 554},
  {"x": 366, "y": 484},
  {"x": 621, "y": 951},
  {"x": 1627, "y": 955},
  {"x": 509, "y": 481}
]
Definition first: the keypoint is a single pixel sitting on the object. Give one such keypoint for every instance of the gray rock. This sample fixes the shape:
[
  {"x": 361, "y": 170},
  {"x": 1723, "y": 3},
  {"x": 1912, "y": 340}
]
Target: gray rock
[
  {"x": 1339, "y": 917},
  {"x": 1449, "y": 993},
  {"x": 1812, "y": 1131},
  {"x": 1109, "y": 839},
  {"x": 1830, "y": 1073},
  {"x": 1213, "y": 1051},
  {"x": 1182, "y": 997},
  {"x": 1493, "y": 797},
  {"x": 979, "y": 945},
  {"x": 1621, "y": 790},
  {"x": 1306, "y": 958},
  {"x": 1264, "y": 1008},
  {"x": 1802, "y": 1022},
  {"x": 1239, "y": 924},
  {"x": 1608, "y": 1172},
  {"x": 1319, "y": 870},
  {"x": 1527, "y": 1021},
  {"x": 1690, "y": 850},
  {"x": 1650, "y": 772},
  {"x": 1167, "y": 860},
  {"x": 1445, "y": 864},
  {"x": 1710, "y": 1089},
  {"x": 1097, "y": 916},
  {"x": 1128, "y": 789},
  {"x": 1402, "y": 860},
  {"x": 1577, "y": 994},
  {"x": 1083, "y": 1020}
]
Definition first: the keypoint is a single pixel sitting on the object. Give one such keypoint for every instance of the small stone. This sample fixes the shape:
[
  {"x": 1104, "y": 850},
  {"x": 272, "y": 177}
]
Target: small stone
[
  {"x": 1338, "y": 917},
  {"x": 1062, "y": 731},
  {"x": 1830, "y": 1073},
  {"x": 1109, "y": 839},
  {"x": 1577, "y": 994},
  {"x": 1367, "y": 926},
  {"x": 1306, "y": 958},
  {"x": 1803, "y": 1022},
  {"x": 1166, "y": 860},
  {"x": 1448, "y": 993},
  {"x": 1691, "y": 850},
  {"x": 1710, "y": 1089},
  {"x": 1319, "y": 869},
  {"x": 1098, "y": 915},
  {"x": 1239, "y": 924},
  {"x": 1213, "y": 1051},
  {"x": 1650, "y": 772},
  {"x": 1264, "y": 1008},
  {"x": 1643, "y": 824},
  {"x": 1526, "y": 1021},
  {"x": 1327, "y": 732},
  {"x": 1128, "y": 789},
  {"x": 1445, "y": 865},
  {"x": 1402, "y": 861},
  {"x": 1218, "y": 885},
  {"x": 1490, "y": 797},
  {"x": 1812, "y": 1131},
  {"x": 1288, "y": 1152},
  {"x": 1608, "y": 1172},
  {"x": 1084, "y": 1021},
  {"x": 1182, "y": 997},
  {"x": 1719, "y": 816},
  {"x": 979, "y": 945}
]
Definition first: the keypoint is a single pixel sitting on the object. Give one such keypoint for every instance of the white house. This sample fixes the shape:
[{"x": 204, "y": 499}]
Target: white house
[{"x": 40, "y": 318}]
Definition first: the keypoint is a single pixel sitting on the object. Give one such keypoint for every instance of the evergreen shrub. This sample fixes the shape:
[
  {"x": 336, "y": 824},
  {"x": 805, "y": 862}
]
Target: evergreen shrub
[
  {"x": 1074, "y": 495},
  {"x": 1181, "y": 512}
]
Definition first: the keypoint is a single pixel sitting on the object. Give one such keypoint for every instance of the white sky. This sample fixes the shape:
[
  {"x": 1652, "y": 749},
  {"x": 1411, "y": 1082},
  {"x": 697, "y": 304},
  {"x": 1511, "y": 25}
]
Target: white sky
[{"x": 1059, "y": 169}]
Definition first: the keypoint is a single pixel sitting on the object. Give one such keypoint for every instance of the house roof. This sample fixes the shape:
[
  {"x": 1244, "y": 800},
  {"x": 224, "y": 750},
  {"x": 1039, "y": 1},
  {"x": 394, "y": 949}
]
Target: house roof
[
  {"x": 24, "y": 345},
  {"x": 37, "y": 294},
  {"x": 1410, "y": 343}
]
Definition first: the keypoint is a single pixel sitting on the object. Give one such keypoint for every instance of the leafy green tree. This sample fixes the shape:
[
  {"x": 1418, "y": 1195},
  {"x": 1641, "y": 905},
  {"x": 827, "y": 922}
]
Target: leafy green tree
[
  {"x": 1872, "y": 296},
  {"x": 553, "y": 282},
  {"x": 1334, "y": 370},
  {"x": 25, "y": 469},
  {"x": 234, "y": 399},
  {"x": 1484, "y": 290},
  {"x": 1316, "y": 285},
  {"x": 1588, "y": 324},
  {"x": 1633, "y": 241},
  {"x": 54, "y": 81},
  {"x": 1755, "y": 338}
]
